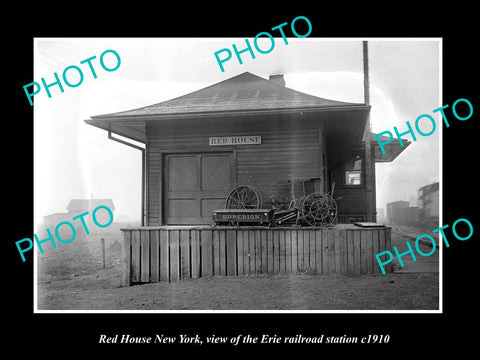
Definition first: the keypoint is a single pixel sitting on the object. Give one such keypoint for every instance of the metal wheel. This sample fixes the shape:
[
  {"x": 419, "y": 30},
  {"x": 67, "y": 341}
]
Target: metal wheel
[
  {"x": 244, "y": 197},
  {"x": 319, "y": 209}
]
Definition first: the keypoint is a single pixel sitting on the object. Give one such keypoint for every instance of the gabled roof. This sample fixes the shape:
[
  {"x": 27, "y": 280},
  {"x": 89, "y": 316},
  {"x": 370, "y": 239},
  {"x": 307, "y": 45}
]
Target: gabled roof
[
  {"x": 86, "y": 204},
  {"x": 239, "y": 93},
  {"x": 243, "y": 94}
]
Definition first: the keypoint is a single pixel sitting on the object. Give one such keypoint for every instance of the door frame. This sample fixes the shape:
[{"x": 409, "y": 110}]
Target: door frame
[{"x": 163, "y": 171}]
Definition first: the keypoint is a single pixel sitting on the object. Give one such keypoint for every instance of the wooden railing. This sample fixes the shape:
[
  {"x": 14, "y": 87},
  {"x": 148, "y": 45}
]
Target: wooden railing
[{"x": 169, "y": 253}]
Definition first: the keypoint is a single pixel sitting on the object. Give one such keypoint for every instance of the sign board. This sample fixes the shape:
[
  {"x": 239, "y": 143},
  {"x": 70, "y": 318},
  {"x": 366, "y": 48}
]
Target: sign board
[
  {"x": 235, "y": 140},
  {"x": 258, "y": 216}
]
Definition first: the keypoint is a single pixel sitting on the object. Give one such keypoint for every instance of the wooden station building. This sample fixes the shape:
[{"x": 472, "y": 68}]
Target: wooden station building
[{"x": 245, "y": 130}]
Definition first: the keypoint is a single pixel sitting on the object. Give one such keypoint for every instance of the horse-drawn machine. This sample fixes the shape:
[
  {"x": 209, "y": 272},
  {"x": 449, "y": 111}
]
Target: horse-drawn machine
[{"x": 244, "y": 206}]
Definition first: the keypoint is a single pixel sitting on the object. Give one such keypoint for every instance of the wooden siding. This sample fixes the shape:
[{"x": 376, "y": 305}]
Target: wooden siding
[
  {"x": 153, "y": 254},
  {"x": 286, "y": 150}
]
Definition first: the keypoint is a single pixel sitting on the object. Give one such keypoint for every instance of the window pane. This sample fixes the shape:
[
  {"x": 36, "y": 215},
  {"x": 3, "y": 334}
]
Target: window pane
[
  {"x": 353, "y": 172},
  {"x": 353, "y": 177}
]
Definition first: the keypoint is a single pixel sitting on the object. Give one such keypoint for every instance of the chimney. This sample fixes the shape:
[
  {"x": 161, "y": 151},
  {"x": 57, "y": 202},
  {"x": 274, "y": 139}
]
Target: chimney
[{"x": 277, "y": 79}]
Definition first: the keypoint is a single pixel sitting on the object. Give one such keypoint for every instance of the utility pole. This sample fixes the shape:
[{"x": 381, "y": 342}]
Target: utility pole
[{"x": 369, "y": 152}]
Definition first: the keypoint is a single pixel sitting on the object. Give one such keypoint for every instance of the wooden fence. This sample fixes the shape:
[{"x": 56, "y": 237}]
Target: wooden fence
[{"x": 152, "y": 254}]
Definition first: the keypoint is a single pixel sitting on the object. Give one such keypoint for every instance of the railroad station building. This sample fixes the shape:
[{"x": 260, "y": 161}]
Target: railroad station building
[
  {"x": 248, "y": 130},
  {"x": 254, "y": 132}
]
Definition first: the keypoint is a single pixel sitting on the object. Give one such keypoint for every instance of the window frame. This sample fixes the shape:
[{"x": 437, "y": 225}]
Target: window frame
[{"x": 347, "y": 169}]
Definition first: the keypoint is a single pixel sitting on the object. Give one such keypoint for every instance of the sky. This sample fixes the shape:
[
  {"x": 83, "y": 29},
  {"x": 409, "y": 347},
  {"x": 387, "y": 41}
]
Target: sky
[{"x": 74, "y": 160}]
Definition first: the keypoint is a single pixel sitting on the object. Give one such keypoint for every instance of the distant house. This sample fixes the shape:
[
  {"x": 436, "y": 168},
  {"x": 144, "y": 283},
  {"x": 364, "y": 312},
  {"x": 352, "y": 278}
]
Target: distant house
[
  {"x": 428, "y": 203},
  {"x": 76, "y": 207}
]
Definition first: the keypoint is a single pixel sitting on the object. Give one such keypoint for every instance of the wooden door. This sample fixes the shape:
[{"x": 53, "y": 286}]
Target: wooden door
[{"x": 196, "y": 185}]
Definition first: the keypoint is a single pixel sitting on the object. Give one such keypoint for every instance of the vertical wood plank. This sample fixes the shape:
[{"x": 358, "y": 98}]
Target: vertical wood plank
[
  {"x": 356, "y": 252},
  {"x": 126, "y": 258},
  {"x": 195, "y": 253},
  {"x": 252, "y": 251},
  {"x": 135, "y": 255},
  {"x": 318, "y": 252},
  {"x": 375, "y": 250},
  {"x": 164, "y": 256},
  {"x": 240, "y": 251},
  {"x": 381, "y": 248},
  {"x": 331, "y": 251},
  {"x": 154, "y": 255},
  {"x": 263, "y": 237},
  {"x": 306, "y": 249},
  {"x": 382, "y": 241},
  {"x": 294, "y": 251},
  {"x": 337, "y": 241},
  {"x": 310, "y": 263},
  {"x": 313, "y": 250},
  {"x": 325, "y": 252},
  {"x": 231, "y": 252},
  {"x": 207, "y": 252},
  {"x": 184, "y": 254},
  {"x": 145, "y": 256},
  {"x": 350, "y": 251},
  {"x": 281, "y": 252},
  {"x": 216, "y": 252},
  {"x": 288, "y": 251},
  {"x": 174, "y": 255},
  {"x": 246, "y": 253},
  {"x": 369, "y": 251},
  {"x": 270, "y": 251},
  {"x": 276, "y": 251},
  {"x": 258, "y": 252},
  {"x": 343, "y": 252},
  {"x": 363, "y": 251},
  {"x": 300, "y": 255},
  {"x": 223, "y": 253}
]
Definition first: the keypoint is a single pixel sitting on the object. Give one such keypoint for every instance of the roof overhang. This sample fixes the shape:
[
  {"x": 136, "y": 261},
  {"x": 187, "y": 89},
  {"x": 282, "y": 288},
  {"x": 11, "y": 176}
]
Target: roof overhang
[
  {"x": 392, "y": 149},
  {"x": 134, "y": 130},
  {"x": 244, "y": 95},
  {"x": 134, "y": 127}
]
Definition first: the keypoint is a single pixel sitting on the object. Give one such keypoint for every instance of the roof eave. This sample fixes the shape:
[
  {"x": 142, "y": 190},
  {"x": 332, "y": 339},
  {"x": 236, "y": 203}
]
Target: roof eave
[
  {"x": 392, "y": 149},
  {"x": 147, "y": 117},
  {"x": 133, "y": 126}
]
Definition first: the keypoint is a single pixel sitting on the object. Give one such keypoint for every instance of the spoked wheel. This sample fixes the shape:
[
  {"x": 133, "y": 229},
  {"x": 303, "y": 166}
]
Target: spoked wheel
[
  {"x": 244, "y": 197},
  {"x": 319, "y": 209}
]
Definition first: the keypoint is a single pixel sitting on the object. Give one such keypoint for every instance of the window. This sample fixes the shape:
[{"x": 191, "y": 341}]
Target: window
[{"x": 353, "y": 172}]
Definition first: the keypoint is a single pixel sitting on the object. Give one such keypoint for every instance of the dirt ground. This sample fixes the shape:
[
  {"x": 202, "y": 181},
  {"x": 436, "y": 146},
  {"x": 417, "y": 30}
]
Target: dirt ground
[
  {"x": 101, "y": 291},
  {"x": 413, "y": 287}
]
